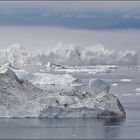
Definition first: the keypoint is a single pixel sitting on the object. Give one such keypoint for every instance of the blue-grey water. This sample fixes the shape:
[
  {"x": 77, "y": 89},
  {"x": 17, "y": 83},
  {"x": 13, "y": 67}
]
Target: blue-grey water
[{"x": 85, "y": 128}]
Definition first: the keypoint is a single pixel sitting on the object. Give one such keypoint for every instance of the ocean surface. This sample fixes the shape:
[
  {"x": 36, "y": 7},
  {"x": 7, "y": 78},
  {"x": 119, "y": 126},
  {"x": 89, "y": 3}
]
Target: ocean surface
[{"x": 86, "y": 128}]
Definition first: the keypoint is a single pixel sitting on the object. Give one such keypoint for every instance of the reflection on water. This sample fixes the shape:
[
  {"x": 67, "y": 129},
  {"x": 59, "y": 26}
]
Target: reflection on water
[
  {"x": 112, "y": 128},
  {"x": 60, "y": 128}
]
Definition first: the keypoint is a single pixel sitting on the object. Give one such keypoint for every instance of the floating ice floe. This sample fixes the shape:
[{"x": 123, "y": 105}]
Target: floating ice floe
[
  {"x": 137, "y": 89},
  {"x": 115, "y": 84},
  {"x": 137, "y": 94},
  {"x": 19, "y": 98},
  {"x": 126, "y": 80}
]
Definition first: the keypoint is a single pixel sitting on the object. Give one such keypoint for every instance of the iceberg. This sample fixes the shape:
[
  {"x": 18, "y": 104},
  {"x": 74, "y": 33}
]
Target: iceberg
[
  {"x": 137, "y": 94},
  {"x": 97, "y": 86},
  {"x": 72, "y": 55},
  {"x": 19, "y": 98}
]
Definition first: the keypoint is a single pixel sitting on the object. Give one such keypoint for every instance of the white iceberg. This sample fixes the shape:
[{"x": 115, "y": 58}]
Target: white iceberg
[
  {"x": 68, "y": 55},
  {"x": 19, "y": 98},
  {"x": 97, "y": 86},
  {"x": 115, "y": 84}
]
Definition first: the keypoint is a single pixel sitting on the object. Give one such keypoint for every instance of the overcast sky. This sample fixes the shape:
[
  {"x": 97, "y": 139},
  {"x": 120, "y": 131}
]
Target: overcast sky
[
  {"x": 41, "y": 25},
  {"x": 73, "y": 5},
  {"x": 70, "y": 14}
]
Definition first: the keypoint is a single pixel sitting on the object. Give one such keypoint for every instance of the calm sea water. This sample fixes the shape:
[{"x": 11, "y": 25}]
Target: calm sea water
[{"x": 81, "y": 128}]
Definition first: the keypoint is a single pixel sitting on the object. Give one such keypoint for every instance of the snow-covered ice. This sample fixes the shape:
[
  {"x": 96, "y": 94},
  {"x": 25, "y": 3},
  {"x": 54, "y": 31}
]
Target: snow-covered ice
[
  {"x": 68, "y": 55},
  {"x": 41, "y": 80}
]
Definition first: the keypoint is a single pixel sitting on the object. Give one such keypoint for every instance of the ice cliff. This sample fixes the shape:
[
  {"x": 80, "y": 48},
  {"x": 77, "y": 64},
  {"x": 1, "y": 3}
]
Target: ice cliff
[
  {"x": 68, "y": 55},
  {"x": 19, "y": 98}
]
